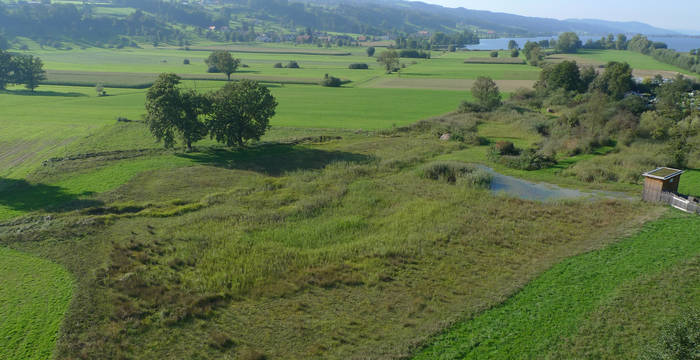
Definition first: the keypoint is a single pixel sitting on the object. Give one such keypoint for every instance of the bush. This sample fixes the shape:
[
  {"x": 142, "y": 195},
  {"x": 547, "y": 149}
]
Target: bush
[
  {"x": 467, "y": 107},
  {"x": 292, "y": 65},
  {"x": 186, "y": 61},
  {"x": 278, "y": 66},
  {"x": 213, "y": 69},
  {"x": 359, "y": 66},
  {"x": 453, "y": 172},
  {"x": 331, "y": 81},
  {"x": 494, "y": 54},
  {"x": 515, "y": 53},
  {"x": 502, "y": 148},
  {"x": 370, "y": 51},
  {"x": 679, "y": 340}
]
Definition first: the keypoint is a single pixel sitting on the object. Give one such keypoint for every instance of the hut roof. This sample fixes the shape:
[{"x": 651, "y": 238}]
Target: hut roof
[{"x": 663, "y": 173}]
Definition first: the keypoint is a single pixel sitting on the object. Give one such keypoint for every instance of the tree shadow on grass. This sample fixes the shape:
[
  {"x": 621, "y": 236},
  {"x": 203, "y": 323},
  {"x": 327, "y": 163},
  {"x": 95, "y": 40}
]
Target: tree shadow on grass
[
  {"x": 42, "y": 93},
  {"x": 273, "y": 159},
  {"x": 20, "y": 195}
]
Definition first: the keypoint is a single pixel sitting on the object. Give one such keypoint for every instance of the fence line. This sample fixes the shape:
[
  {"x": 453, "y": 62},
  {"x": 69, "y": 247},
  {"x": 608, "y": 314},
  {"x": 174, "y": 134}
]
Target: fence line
[{"x": 680, "y": 202}]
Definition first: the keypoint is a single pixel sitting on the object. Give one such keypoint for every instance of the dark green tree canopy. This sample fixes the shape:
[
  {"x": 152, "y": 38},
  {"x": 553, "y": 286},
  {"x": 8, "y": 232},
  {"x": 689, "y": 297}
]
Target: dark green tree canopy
[
  {"x": 370, "y": 51},
  {"x": 172, "y": 112},
  {"x": 6, "y": 69},
  {"x": 616, "y": 80},
  {"x": 29, "y": 70},
  {"x": 240, "y": 111}
]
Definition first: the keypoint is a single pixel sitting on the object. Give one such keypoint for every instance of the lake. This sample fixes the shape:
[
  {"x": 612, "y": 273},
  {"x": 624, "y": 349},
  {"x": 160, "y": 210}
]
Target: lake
[{"x": 683, "y": 44}]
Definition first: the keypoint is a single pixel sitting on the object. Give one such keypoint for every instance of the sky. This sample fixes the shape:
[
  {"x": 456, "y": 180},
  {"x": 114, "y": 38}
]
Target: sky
[{"x": 670, "y": 14}]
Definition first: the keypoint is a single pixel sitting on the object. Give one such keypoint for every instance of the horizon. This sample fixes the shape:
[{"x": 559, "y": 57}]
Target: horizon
[{"x": 644, "y": 11}]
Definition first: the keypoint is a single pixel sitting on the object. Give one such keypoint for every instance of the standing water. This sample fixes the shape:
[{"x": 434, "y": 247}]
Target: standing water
[
  {"x": 527, "y": 190},
  {"x": 678, "y": 43}
]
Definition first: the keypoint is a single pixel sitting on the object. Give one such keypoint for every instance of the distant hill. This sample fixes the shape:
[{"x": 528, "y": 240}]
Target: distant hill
[
  {"x": 632, "y": 27},
  {"x": 121, "y": 22},
  {"x": 487, "y": 21}
]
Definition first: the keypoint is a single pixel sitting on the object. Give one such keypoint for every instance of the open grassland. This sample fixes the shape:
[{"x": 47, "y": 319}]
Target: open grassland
[
  {"x": 34, "y": 296},
  {"x": 340, "y": 244},
  {"x": 151, "y": 60},
  {"x": 452, "y": 66},
  {"x": 579, "y": 294}
]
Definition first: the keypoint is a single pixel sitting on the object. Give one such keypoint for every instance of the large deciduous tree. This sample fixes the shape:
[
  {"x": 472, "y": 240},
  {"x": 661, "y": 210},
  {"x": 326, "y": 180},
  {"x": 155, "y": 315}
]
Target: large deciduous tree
[
  {"x": 240, "y": 111},
  {"x": 390, "y": 60},
  {"x": 565, "y": 75},
  {"x": 6, "y": 69},
  {"x": 224, "y": 62},
  {"x": 172, "y": 111},
  {"x": 29, "y": 70},
  {"x": 486, "y": 93}
]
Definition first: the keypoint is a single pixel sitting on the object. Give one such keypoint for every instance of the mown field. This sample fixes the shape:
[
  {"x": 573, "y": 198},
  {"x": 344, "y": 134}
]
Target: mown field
[
  {"x": 34, "y": 296},
  {"x": 320, "y": 241},
  {"x": 604, "y": 304}
]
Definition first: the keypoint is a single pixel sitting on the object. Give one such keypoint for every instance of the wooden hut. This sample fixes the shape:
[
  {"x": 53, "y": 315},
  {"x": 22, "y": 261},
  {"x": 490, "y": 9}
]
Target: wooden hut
[{"x": 660, "y": 181}]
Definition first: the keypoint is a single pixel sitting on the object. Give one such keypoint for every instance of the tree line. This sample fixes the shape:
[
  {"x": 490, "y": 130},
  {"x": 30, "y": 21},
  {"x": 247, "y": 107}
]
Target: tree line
[
  {"x": 232, "y": 115},
  {"x": 20, "y": 69},
  {"x": 437, "y": 40}
]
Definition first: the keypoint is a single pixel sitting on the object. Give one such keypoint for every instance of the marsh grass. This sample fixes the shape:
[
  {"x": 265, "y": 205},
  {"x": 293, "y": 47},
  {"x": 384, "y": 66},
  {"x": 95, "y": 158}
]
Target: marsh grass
[{"x": 342, "y": 241}]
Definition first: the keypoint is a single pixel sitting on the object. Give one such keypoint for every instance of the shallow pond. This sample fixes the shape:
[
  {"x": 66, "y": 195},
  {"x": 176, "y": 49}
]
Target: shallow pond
[{"x": 527, "y": 190}]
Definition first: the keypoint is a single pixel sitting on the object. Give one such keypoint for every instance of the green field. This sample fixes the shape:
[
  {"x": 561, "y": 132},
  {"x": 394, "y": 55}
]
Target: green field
[
  {"x": 538, "y": 320},
  {"x": 455, "y": 68},
  {"x": 34, "y": 296},
  {"x": 157, "y": 60},
  {"x": 76, "y": 112}
]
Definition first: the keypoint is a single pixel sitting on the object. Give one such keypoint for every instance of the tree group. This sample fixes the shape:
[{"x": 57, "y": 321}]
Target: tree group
[
  {"x": 21, "y": 69},
  {"x": 238, "y": 112}
]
